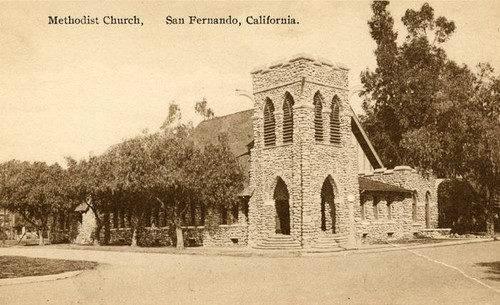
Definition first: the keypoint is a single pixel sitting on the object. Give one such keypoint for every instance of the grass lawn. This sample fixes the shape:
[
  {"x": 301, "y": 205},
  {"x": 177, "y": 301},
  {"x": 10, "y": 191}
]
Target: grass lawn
[{"x": 19, "y": 266}]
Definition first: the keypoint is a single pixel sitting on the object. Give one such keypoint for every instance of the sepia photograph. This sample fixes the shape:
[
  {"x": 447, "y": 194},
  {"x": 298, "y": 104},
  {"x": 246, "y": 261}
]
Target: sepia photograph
[{"x": 243, "y": 152}]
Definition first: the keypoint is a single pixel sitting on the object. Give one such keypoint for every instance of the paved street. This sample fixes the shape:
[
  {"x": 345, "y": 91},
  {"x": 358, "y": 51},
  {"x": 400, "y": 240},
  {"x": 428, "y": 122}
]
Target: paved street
[{"x": 442, "y": 275}]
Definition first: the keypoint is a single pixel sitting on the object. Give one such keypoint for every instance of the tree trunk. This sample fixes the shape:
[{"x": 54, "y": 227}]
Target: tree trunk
[
  {"x": 490, "y": 217},
  {"x": 41, "y": 241},
  {"x": 97, "y": 235},
  {"x": 134, "y": 238},
  {"x": 180, "y": 237}
]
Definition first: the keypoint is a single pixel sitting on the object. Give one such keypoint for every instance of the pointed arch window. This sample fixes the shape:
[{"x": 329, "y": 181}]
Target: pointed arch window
[
  {"x": 288, "y": 119},
  {"x": 318, "y": 117},
  {"x": 269, "y": 124},
  {"x": 335, "y": 121}
]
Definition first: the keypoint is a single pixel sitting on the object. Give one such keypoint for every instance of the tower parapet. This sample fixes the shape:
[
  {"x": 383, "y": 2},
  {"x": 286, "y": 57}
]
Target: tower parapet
[{"x": 286, "y": 72}]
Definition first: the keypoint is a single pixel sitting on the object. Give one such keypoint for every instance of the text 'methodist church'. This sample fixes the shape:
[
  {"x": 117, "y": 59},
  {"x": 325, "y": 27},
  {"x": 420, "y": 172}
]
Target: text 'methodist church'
[{"x": 314, "y": 180}]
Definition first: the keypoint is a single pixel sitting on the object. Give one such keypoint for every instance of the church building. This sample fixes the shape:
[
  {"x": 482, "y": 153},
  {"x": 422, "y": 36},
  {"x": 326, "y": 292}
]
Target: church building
[{"x": 314, "y": 179}]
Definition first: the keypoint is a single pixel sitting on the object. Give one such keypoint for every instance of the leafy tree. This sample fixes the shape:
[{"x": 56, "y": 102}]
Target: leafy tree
[
  {"x": 404, "y": 90},
  {"x": 173, "y": 116},
  {"x": 131, "y": 170},
  {"x": 202, "y": 109},
  {"x": 175, "y": 179},
  {"x": 186, "y": 176},
  {"x": 35, "y": 191},
  {"x": 91, "y": 182},
  {"x": 465, "y": 142},
  {"x": 429, "y": 112},
  {"x": 459, "y": 208},
  {"x": 221, "y": 175}
]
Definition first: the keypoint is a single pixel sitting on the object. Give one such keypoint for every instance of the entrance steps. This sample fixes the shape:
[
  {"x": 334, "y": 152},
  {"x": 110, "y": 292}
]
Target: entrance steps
[
  {"x": 278, "y": 242},
  {"x": 328, "y": 242}
]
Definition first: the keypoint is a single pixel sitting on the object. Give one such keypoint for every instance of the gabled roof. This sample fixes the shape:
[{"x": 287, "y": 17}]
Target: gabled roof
[
  {"x": 239, "y": 129},
  {"x": 364, "y": 142},
  {"x": 367, "y": 185},
  {"x": 237, "y": 126}
]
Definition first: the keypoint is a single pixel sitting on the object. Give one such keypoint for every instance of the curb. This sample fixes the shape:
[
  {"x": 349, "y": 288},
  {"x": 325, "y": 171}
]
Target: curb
[
  {"x": 40, "y": 278},
  {"x": 401, "y": 248}
]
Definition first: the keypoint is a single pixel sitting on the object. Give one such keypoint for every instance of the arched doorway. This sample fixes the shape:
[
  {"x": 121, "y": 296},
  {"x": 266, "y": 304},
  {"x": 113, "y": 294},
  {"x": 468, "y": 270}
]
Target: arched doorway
[
  {"x": 427, "y": 210},
  {"x": 327, "y": 206},
  {"x": 281, "y": 202}
]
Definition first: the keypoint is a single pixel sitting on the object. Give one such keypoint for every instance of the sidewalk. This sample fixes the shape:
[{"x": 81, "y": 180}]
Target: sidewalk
[{"x": 244, "y": 251}]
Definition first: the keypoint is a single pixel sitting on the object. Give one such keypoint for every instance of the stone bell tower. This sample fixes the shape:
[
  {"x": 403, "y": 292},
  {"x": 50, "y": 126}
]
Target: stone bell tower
[{"x": 304, "y": 161}]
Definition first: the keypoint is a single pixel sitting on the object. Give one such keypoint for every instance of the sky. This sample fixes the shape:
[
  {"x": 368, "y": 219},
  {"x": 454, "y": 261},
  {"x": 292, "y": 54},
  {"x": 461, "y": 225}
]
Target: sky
[{"x": 74, "y": 90}]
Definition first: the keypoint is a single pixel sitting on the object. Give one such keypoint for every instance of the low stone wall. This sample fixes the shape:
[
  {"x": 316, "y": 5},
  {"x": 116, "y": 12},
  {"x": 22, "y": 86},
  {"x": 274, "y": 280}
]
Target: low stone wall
[
  {"x": 435, "y": 233},
  {"x": 193, "y": 236},
  {"x": 62, "y": 237},
  {"x": 226, "y": 235}
]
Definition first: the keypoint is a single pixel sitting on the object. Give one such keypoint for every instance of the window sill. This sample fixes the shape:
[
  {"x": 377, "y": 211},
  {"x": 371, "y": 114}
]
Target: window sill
[
  {"x": 338, "y": 145},
  {"x": 378, "y": 221},
  {"x": 276, "y": 146}
]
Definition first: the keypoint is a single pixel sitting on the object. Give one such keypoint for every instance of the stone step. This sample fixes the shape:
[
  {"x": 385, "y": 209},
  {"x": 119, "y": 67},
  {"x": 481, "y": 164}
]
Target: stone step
[
  {"x": 277, "y": 248},
  {"x": 328, "y": 242},
  {"x": 280, "y": 237},
  {"x": 327, "y": 247},
  {"x": 283, "y": 244},
  {"x": 279, "y": 242},
  {"x": 325, "y": 250},
  {"x": 331, "y": 238},
  {"x": 274, "y": 246}
]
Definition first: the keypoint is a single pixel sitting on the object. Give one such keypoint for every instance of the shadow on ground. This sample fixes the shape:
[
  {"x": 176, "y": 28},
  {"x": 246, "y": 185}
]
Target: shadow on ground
[{"x": 493, "y": 271}]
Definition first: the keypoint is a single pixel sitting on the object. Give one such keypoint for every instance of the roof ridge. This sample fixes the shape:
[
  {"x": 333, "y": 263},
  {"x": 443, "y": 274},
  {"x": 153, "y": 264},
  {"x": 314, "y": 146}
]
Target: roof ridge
[{"x": 226, "y": 115}]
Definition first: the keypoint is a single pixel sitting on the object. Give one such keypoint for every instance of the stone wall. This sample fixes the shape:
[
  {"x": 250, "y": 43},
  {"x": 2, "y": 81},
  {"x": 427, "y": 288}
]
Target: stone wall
[
  {"x": 86, "y": 228},
  {"x": 401, "y": 224}
]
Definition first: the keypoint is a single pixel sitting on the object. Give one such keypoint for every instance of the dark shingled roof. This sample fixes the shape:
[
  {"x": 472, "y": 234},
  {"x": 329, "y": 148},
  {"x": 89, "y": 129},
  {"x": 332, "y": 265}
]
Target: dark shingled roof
[
  {"x": 368, "y": 185},
  {"x": 239, "y": 129},
  {"x": 82, "y": 207}
]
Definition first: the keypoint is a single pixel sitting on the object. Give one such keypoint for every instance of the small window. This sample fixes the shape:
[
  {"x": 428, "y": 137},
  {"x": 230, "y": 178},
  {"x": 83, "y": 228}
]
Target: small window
[
  {"x": 363, "y": 207},
  {"x": 202, "y": 215},
  {"x": 115, "y": 218},
  {"x": 335, "y": 121},
  {"x": 375, "y": 207},
  {"x": 389, "y": 209},
  {"x": 163, "y": 218},
  {"x": 192, "y": 215},
  {"x": 414, "y": 207},
  {"x": 223, "y": 211},
  {"x": 129, "y": 218},
  {"x": 147, "y": 216},
  {"x": 269, "y": 124},
  {"x": 234, "y": 214},
  {"x": 318, "y": 117},
  {"x": 288, "y": 119},
  {"x": 245, "y": 209},
  {"x": 156, "y": 216}
]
